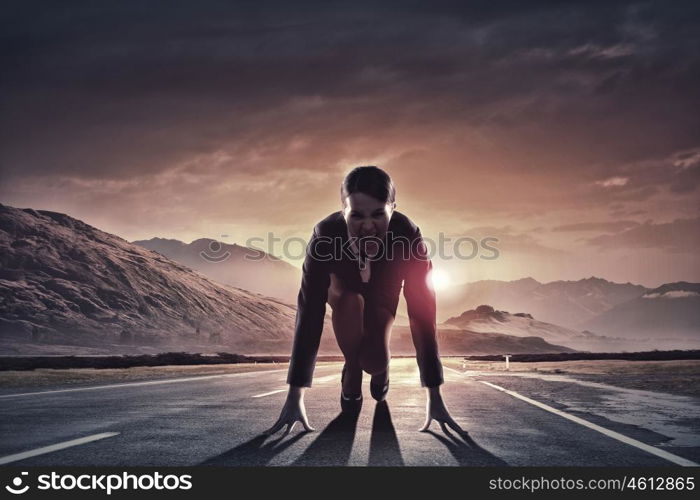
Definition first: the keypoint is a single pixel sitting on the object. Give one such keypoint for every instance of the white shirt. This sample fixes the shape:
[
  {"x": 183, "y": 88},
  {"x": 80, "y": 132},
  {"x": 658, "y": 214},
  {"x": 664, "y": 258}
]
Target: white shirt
[{"x": 367, "y": 271}]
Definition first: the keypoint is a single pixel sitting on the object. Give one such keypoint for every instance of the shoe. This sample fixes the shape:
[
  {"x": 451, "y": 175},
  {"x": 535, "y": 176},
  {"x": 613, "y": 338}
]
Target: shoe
[
  {"x": 351, "y": 402},
  {"x": 379, "y": 391}
]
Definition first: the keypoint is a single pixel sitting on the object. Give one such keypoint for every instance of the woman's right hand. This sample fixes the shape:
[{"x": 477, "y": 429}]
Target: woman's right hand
[{"x": 293, "y": 411}]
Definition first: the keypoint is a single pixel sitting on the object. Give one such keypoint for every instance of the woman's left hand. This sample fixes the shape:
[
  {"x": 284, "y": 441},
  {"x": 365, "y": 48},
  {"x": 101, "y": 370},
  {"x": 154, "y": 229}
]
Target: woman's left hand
[{"x": 436, "y": 410}]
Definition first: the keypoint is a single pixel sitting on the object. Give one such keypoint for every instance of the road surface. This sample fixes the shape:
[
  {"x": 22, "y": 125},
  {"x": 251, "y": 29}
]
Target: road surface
[{"x": 218, "y": 420}]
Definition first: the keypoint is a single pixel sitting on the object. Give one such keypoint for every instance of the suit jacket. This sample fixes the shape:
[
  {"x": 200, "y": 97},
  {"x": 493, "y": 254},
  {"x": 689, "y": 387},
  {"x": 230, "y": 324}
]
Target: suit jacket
[{"x": 404, "y": 261}]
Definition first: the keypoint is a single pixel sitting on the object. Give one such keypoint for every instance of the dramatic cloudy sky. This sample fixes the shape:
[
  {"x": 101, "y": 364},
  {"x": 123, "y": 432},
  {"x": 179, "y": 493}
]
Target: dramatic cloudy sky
[{"x": 570, "y": 132}]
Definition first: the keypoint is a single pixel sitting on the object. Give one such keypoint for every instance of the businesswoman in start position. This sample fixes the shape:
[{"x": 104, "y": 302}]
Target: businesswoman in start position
[{"x": 356, "y": 261}]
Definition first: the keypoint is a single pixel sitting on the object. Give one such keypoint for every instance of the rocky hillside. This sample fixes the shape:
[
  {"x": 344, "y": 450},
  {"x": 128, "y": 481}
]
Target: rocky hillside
[{"x": 64, "y": 282}]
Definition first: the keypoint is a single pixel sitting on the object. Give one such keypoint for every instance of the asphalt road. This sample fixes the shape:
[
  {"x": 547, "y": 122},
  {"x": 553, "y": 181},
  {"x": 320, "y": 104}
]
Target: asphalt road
[{"x": 218, "y": 420}]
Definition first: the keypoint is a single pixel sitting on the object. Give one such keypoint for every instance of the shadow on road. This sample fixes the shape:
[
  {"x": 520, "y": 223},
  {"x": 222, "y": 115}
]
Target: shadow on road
[
  {"x": 253, "y": 452},
  {"x": 466, "y": 451},
  {"x": 334, "y": 445},
  {"x": 384, "y": 445}
]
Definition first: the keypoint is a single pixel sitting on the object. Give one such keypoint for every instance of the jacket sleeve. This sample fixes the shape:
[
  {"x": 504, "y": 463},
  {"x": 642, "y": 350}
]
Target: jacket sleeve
[
  {"x": 311, "y": 311},
  {"x": 421, "y": 304}
]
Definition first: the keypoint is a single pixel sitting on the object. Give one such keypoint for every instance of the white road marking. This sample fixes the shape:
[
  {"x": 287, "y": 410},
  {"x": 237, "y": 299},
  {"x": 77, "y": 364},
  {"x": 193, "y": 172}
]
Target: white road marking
[
  {"x": 327, "y": 378},
  {"x": 55, "y": 447},
  {"x": 615, "y": 435},
  {"x": 269, "y": 393},
  {"x": 135, "y": 384},
  {"x": 453, "y": 370}
]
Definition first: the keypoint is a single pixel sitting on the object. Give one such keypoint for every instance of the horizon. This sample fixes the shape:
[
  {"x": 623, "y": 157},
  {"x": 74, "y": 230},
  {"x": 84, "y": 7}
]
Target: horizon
[{"x": 297, "y": 264}]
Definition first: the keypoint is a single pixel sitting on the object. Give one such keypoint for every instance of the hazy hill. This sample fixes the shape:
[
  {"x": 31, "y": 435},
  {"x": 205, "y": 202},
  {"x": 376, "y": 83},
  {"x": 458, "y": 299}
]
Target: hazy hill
[
  {"x": 233, "y": 265},
  {"x": 669, "y": 313}
]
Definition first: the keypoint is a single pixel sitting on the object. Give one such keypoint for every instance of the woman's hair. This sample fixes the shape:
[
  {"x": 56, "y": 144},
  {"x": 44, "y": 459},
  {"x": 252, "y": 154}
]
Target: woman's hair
[{"x": 370, "y": 180}]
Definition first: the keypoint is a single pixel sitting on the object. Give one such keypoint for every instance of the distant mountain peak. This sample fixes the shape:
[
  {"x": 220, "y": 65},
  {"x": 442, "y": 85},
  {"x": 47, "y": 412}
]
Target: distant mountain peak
[
  {"x": 155, "y": 239},
  {"x": 232, "y": 264},
  {"x": 208, "y": 241},
  {"x": 597, "y": 279},
  {"x": 528, "y": 280},
  {"x": 171, "y": 240},
  {"x": 678, "y": 286}
]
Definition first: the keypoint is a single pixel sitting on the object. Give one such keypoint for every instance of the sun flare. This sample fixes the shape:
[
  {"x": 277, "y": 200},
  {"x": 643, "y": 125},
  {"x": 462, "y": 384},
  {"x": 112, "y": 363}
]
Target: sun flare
[{"x": 440, "y": 279}]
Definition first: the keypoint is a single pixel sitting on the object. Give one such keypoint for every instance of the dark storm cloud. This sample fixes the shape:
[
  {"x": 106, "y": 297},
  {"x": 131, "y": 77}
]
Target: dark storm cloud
[{"x": 132, "y": 88}]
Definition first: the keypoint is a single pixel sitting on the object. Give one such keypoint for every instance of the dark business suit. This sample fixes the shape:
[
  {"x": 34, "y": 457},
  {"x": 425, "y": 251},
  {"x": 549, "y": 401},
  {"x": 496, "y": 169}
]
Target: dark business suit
[{"x": 406, "y": 262}]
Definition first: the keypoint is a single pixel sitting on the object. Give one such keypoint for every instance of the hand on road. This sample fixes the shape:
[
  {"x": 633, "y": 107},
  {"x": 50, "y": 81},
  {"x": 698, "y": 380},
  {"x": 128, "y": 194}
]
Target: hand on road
[
  {"x": 293, "y": 411},
  {"x": 436, "y": 410}
]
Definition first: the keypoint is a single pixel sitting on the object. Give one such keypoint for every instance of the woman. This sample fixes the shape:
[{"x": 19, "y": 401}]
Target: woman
[{"x": 356, "y": 261}]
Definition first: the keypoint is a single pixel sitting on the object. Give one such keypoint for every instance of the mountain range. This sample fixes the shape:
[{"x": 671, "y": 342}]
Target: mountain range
[
  {"x": 69, "y": 288},
  {"x": 567, "y": 303},
  {"x": 66, "y": 283}
]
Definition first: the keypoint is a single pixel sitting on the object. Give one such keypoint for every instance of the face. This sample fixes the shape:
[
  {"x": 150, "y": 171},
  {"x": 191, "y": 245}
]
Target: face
[{"x": 367, "y": 216}]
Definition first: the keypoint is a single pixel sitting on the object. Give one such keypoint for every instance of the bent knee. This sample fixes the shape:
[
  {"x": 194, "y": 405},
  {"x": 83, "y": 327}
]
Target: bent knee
[{"x": 346, "y": 300}]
